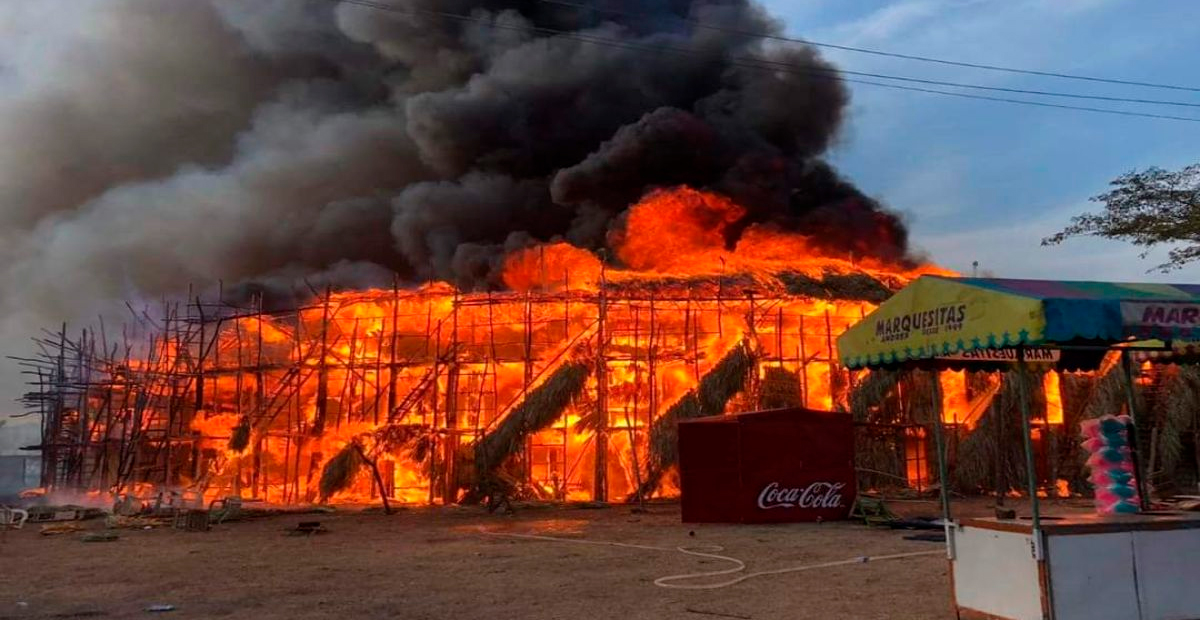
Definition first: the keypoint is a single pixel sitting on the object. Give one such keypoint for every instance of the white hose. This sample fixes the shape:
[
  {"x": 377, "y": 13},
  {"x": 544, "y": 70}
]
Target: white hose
[{"x": 709, "y": 551}]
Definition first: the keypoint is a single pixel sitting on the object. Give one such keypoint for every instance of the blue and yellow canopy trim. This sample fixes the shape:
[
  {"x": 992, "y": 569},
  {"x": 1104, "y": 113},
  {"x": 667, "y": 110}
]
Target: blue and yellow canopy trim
[{"x": 940, "y": 317}]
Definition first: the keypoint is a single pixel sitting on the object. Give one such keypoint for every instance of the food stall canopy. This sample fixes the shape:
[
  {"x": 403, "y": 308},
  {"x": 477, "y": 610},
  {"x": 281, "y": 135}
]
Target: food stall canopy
[
  {"x": 942, "y": 318},
  {"x": 1094, "y": 566}
]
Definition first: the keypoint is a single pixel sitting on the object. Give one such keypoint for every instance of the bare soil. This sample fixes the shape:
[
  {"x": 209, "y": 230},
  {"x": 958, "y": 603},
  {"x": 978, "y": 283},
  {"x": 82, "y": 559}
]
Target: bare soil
[{"x": 439, "y": 563}]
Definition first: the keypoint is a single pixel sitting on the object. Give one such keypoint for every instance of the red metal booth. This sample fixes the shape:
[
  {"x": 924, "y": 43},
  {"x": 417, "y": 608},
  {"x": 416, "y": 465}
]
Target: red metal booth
[{"x": 781, "y": 466}]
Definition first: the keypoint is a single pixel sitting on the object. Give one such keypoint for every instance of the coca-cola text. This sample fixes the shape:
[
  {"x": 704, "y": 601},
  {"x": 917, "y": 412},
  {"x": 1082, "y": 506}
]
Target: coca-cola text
[{"x": 815, "y": 496}]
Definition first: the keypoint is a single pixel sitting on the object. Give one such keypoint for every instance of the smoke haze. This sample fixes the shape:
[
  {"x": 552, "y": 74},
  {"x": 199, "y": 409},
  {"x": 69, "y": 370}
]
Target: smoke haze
[{"x": 156, "y": 144}]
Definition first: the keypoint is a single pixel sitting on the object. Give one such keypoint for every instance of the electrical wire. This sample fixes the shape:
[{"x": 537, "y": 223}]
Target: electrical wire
[
  {"x": 770, "y": 65},
  {"x": 863, "y": 50},
  {"x": 711, "y": 552}
]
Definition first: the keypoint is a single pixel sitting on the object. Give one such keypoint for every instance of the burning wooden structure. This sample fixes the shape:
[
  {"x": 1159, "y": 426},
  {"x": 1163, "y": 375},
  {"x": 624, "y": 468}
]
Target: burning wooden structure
[
  {"x": 565, "y": 384},
  {"x": 559, "y": 384},
  {"x": 236, "y": 400}
]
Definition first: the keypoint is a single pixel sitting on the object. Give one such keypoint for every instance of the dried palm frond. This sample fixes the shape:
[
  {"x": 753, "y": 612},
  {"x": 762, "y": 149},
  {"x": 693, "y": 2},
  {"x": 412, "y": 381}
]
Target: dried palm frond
[
  {"x": 1107, "y": 396},
  {"x": 1072, "y": 458},
  {"x": 874, "y": 288},
  {"x": 879, "y": 457},
  {"x": 240, "y": 439},
  {"x": 1178, "y": 407},
  {"x": 539, "y": 410},
  {"x": 871, "y": 394},
  {"x": 779, "y": 389},
  {"x": 916, "y": 389},
  {"x": 988, "y": 445},
  {"x": 392, "y": 438},
  {"x": 421, "y": 448},
  {"x": 725, "y": 380},
  {"x": 837, "y": 286},
  {"x": 591, "y": 422},
  {"x": 339, "y": 473}
]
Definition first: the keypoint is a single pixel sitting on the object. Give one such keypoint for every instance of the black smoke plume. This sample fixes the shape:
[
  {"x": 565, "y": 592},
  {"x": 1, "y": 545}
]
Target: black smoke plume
[{"x": 155, "y": 144}]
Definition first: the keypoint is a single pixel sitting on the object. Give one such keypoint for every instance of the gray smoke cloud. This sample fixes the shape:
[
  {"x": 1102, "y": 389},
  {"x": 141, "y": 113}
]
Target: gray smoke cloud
[{"x": 157, "y": 144}]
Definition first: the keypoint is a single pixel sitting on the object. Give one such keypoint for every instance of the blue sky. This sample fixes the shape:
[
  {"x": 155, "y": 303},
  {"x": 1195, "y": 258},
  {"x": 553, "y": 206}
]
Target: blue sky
[{"x": 986, "y": 181}]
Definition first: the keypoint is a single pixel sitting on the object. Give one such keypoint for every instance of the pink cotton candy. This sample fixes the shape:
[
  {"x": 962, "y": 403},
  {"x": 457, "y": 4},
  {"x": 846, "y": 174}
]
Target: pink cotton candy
[{"x": 1109, "y": 458}]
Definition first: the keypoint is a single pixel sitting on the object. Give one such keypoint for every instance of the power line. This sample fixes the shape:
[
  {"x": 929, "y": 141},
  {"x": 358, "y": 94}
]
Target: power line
[
  {"x": 771, "y": 65},
  {"x": 863, "y": 50},
  {"x": 1022, "y": 91}
]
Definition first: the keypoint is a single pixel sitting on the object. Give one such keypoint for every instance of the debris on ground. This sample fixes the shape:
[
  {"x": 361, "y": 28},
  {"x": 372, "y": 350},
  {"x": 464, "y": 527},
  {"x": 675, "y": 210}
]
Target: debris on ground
[
  {"x": 160, "y": 608},
  {"x": 931, "y": 537},
  {"x": 307, "y": 528},
  {"x": 1185, "y": 503},
  {"x": 873, "y": 511},
  {"x": 196, "y": 520},
  {"x": 715, "y": 613},
  {"x": 100, "y": 536},
  {"x": 916, "y": 523},
  {"x": 47, "y": 514},
  {"x": 118, "y": 522},
  {"x": 61, "y": 528}
]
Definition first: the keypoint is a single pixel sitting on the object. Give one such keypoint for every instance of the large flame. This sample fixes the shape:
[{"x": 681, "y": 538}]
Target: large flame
[{"x": 279, "y": 396}]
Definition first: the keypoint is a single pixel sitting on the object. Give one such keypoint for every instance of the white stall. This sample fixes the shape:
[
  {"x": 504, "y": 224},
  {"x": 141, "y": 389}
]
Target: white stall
[
  {"x": 1140, "y": 567},
  {"x": 1129, "y": 567}
]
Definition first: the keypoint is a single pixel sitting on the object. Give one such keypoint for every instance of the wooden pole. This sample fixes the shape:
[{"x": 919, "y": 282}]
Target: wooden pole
[
  {"x": 453, "y": 375},
  {"x": 392, "y": 387},
  {"x": 835, "y": 382},
  {"x": 803, "y": 366},
  {"x": 297, "y": 428},
  {"x": 200, "y": 359},
  {"x": 1143, "y": 486},
  {"x": 259, "y": 399},
  {"x": 1000, "y": 483},
  {"x": 383, "y": 492},
  {"x": 943, "y": 468},
  {"x": 779, "y": 336},
  {"x": 318, "y": 427},
  {"x": 652, "y": 362},
  {"x": 600, "y": 465},
  {"x": 1030, "y": 463}
]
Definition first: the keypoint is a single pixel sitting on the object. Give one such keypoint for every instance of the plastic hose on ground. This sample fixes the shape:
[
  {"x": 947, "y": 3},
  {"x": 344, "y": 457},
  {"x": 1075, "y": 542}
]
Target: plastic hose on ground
[{"x": 710, "y": 552}]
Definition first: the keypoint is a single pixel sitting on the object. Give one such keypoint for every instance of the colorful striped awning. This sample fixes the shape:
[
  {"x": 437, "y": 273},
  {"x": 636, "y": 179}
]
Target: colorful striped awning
[{"x": 937, "y": 317}]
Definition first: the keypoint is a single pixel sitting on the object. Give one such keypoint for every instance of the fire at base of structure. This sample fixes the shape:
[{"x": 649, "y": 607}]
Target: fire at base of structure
[{"x": 228, "y": 401}]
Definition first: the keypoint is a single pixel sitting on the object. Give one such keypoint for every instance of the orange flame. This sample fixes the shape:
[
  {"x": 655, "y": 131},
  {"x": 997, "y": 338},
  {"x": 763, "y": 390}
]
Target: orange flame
[
  {"x": 1054, "y": 406},
  {"x": 448, "y": 366},
  {"x": 955, "y": 404}
]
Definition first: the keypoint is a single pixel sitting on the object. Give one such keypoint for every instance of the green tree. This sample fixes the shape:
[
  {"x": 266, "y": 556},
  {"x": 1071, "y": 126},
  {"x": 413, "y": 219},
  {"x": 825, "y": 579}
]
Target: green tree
[{"x": 1148, "y": 209}]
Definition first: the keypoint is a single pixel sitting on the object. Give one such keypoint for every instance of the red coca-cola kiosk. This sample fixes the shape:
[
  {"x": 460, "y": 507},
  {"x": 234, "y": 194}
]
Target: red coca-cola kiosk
[{"x": 781, "y": 466}]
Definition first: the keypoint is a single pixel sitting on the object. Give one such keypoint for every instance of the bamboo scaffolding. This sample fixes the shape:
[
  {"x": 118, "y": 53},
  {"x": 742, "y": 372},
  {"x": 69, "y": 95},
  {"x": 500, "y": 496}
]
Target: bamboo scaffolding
[{"x": 119, "y": 415}]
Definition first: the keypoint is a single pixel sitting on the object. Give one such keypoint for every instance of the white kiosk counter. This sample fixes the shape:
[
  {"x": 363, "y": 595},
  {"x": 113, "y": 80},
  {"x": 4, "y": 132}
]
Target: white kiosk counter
[{"x": 1137, "y": 567}]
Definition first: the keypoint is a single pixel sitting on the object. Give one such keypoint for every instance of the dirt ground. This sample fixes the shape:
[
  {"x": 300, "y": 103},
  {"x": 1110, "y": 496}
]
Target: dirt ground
[{"x": 439, "y": 563}]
